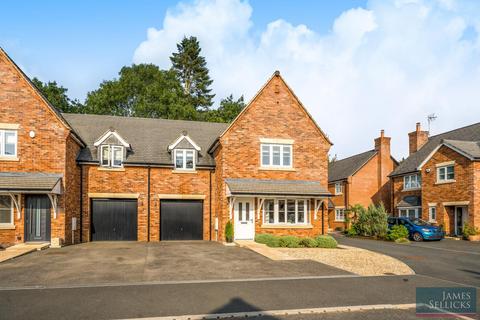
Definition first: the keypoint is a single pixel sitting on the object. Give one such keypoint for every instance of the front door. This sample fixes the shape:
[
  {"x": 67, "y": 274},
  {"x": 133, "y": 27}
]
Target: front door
[
  {"x": 460, "y": 219},
  {"x": 244, "y": 220},
  {"x": 37, "y": 218}
]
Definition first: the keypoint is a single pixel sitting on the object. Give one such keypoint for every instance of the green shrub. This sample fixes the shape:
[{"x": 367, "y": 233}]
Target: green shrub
[
  {"x": 229, "y": 231},
  {"x": 371, "y": 222},
  {"x": 402, "y": 240},
  {"x": 325, "y": 241},
  {"x": 264, "y": 238},
  {"x": 289, "y": 242},
  {"x": 308, "y": 243},
  {"x": 352, "y": 232},
  {"x": 397, "y": 232},
  {"x": 469, "y": 230}
]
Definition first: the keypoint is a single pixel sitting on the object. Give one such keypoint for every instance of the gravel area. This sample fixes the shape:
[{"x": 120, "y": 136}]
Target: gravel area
[
  {"x": 359, "y": 261},
  {"x": 352, "y": 259}
]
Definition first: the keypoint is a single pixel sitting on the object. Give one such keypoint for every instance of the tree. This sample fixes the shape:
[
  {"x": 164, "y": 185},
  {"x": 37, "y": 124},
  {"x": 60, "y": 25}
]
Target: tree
[
  {"x": 228, "y": 110},
  {"x": 57, "y": 96},
  {"x": 191, "y": 69},
  {"x": 142, "y": 90}
]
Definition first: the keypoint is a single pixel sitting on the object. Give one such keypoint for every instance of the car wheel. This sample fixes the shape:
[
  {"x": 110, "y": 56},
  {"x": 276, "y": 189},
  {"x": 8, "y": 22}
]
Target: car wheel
[{"x": 417, "y": 236}]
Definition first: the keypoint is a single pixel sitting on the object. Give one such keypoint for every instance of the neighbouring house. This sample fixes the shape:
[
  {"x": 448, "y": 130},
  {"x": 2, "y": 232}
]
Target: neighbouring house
[
  {"x": 440, "y": 180},
  {"x": 70, "y": 178},
  {"x": 360, "y": 179}
]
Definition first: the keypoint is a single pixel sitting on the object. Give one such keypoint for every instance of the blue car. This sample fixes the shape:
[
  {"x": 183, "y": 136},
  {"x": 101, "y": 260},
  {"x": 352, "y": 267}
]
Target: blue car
[{"x": 418, "y": 229}]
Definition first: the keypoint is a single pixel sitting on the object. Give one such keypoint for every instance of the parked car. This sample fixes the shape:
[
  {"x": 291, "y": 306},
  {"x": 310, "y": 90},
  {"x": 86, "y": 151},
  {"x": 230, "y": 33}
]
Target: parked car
[{"x": 418, "y": 229}]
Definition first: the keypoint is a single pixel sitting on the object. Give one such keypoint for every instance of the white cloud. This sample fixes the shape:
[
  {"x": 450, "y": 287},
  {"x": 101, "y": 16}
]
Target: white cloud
[{"x": 385, "y": 66}]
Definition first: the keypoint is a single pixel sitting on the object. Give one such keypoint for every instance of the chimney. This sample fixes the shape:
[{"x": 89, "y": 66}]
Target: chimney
[
  {"x": 385, "y": 167},
  {"x": 417, "y": 139}
]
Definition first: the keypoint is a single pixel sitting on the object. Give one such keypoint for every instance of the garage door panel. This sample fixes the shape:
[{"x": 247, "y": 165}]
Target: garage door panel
[
  {"x": 181, "y": 220},
  {"x": 114, "y": 219}
]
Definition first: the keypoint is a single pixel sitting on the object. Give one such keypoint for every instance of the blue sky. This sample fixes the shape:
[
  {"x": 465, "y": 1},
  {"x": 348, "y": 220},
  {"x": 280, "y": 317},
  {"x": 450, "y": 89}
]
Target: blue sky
[{"x": 358, "y": 66}]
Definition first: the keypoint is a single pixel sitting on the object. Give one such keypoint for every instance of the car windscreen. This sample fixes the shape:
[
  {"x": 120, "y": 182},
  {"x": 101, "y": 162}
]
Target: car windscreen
[{"x": 420, "y": 222}]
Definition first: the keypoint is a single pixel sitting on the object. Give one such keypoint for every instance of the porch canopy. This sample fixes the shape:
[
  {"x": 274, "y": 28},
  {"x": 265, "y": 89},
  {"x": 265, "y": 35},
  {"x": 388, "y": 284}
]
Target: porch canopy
[
  {"x": 16, "y": 183},
  {"x": 257, "y": 187}
]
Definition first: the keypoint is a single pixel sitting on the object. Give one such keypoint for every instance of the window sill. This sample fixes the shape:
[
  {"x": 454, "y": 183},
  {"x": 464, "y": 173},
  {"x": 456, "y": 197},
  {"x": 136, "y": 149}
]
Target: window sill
[
  {"x": 183, "y": 171},
  {"x": 111, "y": 169},
  {"x": 445, "y": 182},
  {"x": 339, "y": 220},
  {"x": 276, "y": 169},
  {"x": 411, "y": 189},
  {"x": 7, "y": 227},
  {"x": 286, "y": 226},
  {"x": 6, "y": 158},
  {"x": 339, "y": 194}
]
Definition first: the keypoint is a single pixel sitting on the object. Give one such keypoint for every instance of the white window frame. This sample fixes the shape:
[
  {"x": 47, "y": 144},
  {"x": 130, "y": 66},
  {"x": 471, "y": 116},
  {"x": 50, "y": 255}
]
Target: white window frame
[
  {"x": 184, "y": 162},
  {"x": 11, "y": 213},
  {"x": 340, "y": 214},
  {"x": 418, "y": 211},
  {"x": 110, "y": 161},
  {"x": 412, "y": 181},
  {"x": 3, "y": 143},
  {"x": 445, "y": 168},
  {"x": 276, "y": 212},
  {"x": 432, "y": 209},
  {"x": 282, "y": 147},
  {"x": 338, "y": 188}
]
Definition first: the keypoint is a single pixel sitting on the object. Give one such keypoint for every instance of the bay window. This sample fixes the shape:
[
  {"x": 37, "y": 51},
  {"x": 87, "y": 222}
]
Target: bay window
[
  {"x": 6, "y": 210},
  {"x": 8, "y": 143},
  {"x": 276, "y": 155},
  {"x": 411, "y": 213},
  {"x": 285, "y": 211}
]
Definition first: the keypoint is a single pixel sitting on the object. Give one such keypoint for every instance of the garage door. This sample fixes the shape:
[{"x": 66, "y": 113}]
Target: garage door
[
  {"x": 181, "y": 220},
  {"x": 114, "y": 219}
]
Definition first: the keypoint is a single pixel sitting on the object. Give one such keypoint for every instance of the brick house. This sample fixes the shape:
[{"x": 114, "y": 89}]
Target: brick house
[
  {"x": 439, "y": 181},
  {"x": 360, "y": 179},
  {"x": 73, "y": 178}
]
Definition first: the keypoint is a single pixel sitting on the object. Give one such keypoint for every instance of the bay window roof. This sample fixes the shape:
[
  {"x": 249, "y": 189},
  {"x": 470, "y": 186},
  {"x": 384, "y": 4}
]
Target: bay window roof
[{"x": 276, "y": 187}]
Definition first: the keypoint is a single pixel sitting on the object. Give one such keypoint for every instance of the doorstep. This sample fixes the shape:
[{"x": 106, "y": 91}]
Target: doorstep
[{"x": 22, "y": 249}]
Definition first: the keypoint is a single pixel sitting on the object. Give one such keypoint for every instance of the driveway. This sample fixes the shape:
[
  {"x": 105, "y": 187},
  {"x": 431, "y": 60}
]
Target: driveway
[
  {"x": 452, "y": 260},
  {"x": 100, "y": 263}
]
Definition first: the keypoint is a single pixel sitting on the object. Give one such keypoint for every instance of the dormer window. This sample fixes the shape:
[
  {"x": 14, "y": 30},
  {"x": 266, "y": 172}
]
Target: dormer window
[
  {"x": 184, "y": 159},
  {"x": 111, "y": 156},
  {"x": 111, "y": 149}
]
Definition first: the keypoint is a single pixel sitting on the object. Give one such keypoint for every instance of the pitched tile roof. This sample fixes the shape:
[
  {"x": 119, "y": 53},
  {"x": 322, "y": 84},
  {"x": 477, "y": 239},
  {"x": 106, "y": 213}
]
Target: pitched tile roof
[
  {"x": 410, "y": 164},
  {"x": 344, "y": 168},
  {"x": 27, "y": 181},
  {"x": 276, "y": 187},
  {"x": 469, "y": 148},
  {"x": 149, "y": 138}
]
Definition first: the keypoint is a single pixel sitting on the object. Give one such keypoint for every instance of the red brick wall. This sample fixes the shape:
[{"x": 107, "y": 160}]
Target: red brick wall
[
  {"x": 46, "y": 152},
  {"x": 475, "y": 206},
  {"x": 461, "y": 190},
  {"x": 398, "y": 193},
  {"x": 339, "y": 201},
  {"x": 275, "y": 113}
]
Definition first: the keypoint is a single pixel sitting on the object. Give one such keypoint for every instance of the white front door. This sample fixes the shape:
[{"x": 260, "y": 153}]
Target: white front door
[{"x": 244, "y": 219}]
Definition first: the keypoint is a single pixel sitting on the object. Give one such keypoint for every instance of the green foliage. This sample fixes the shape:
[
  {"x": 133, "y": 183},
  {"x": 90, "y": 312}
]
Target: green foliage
[
  {"x": 326, "y": 241},
  {"x": 289, "y": 242},
  {"x": 308, "y": 242},
  {"x": 229, "y": 231},
  {"x": 142, "y": 90},
  {"x": 469, "y": 230},
  {"x": 352, "y": 232},
  {"x": 191, "y": 68},
  {"x": 57, "y": 96},
  {"x": 397, "y": 232},
  {"x": 371, "y": 222},
  {"x": 264, "y": 238},
  {"x": 228, "y": 110}
]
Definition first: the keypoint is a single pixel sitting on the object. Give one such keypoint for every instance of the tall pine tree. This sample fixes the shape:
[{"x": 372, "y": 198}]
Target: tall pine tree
[{"x": 191, "y": 69}]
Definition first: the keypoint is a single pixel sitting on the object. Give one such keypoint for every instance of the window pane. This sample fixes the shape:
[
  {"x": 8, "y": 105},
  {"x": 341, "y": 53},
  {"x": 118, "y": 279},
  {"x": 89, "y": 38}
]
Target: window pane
[
  {"x": 247, "y": 211},
  {"x": 265, "y": 155},
  {"x": 5, "y": 209},
  {"x": 276, "y": 155},
  {"x": 287, "y": 156},
  {"x": 301, "y": 211},
  {"x": 10, "y": 143},
  {"x": 412, "y": 213},
  {"x": 450, "y": 173},
  {"x": 105, "y": 155},
  {"x": 291, "y": 211},
  {"x": 179, "y": 159},
  {"x": 117, "y": 156},
  {"x": 441, "y": 173},
  {"x": 269, "y": 211},
  {"x": 240, "y": 211},
  {"x": 281, "y": 211},
  {"x": 189, "y": 159}
]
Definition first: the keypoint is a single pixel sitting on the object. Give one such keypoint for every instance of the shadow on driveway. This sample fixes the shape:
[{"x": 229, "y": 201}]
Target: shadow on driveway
[{"x": 103, "y": 263}]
